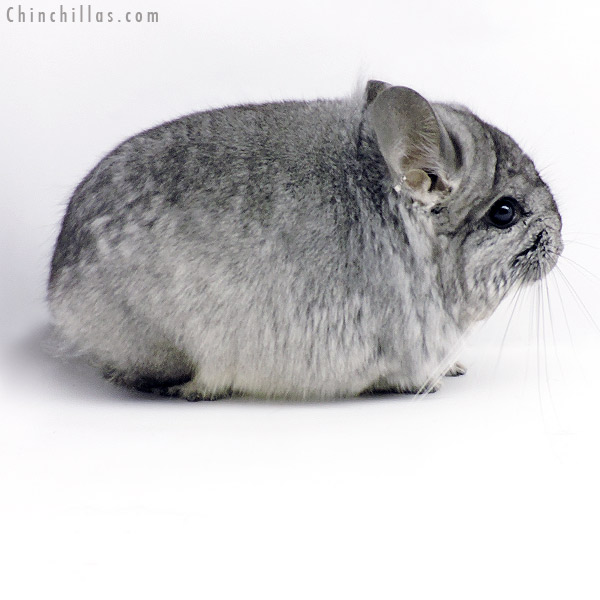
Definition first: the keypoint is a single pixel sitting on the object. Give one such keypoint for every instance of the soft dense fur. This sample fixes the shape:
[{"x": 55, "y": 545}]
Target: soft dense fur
[{"x": 298, "y": 248}]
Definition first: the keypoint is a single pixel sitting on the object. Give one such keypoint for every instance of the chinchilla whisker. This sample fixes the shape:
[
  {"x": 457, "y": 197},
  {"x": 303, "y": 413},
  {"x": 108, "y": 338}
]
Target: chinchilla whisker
[
  {"x": 580, "y": 267},
  {"x": 530, "y": 332},
  {"x": 432, "y": 382},
  {"x": 541, "y": 358},
  {"x": 551, "y": 317},
  {"x": 577, "y": 299},
  {"x": 538, "y": 334},
  {"x": 427, "y": 387},
  {"x": 515, "y": 301},
  {"x": 562, "y": 306},
  {"x": 578, "y": 361},
  {"x": 585, "y": 234},
  {"x": 440, "y": 370},
  {"x": 541, "y": 352},
  {"x": 546, "y": 297},
  {"x": 579, "y": 243},
  {"x": 543, "y": 309},
  {"x": 553, "y": 405}
]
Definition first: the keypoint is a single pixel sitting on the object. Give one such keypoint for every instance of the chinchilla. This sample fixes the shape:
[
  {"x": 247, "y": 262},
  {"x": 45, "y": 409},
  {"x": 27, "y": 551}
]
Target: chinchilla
[{"x": 298, "y": 249}]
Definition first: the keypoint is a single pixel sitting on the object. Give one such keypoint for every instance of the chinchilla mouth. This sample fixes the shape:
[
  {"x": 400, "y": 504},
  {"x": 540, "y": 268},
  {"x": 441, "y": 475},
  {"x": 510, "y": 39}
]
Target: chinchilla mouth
[
  {"x": 537, "y": 260},
  {"x": 533, "y": 248}
]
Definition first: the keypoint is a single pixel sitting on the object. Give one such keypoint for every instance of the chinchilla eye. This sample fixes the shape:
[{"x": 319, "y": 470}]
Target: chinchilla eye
[{"x": 503, "y": 213}]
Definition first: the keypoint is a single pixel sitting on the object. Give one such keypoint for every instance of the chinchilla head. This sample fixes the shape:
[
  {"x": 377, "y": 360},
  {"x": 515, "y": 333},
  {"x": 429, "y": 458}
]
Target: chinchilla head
[{"x": 494, "y": 222}]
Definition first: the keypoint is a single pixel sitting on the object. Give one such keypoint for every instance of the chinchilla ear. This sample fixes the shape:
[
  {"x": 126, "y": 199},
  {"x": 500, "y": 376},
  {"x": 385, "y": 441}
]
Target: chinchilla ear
[{"x": 414, "y": 143}]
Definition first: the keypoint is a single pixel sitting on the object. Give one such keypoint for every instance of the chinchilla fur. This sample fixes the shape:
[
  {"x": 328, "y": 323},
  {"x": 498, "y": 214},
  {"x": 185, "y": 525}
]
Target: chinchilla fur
[{"x": 298, "y": 249}]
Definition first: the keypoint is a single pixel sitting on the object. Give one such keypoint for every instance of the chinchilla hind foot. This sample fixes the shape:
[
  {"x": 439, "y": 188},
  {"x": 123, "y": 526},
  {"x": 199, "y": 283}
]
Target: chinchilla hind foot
[
  {"x": 144, "y": 382},
  {"x": 384, "y": 388},
  {"x": 194, "y": 391}
]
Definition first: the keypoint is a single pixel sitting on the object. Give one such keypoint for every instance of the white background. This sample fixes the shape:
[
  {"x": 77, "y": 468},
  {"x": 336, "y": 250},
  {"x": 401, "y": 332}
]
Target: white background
[{"x": 487, "y": 489}]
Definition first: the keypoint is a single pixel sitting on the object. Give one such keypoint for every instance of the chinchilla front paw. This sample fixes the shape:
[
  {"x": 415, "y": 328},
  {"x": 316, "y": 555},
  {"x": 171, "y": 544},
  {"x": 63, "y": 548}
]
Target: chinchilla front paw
[
  {"x": 430, "y": 388},
  {"x": 456, "y": 370}
]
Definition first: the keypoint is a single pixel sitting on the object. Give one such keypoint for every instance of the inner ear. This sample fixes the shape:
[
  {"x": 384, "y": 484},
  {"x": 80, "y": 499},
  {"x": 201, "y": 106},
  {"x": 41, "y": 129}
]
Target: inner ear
[
  {"x": 413, "y": 141},
  {"x": 418, "y": 180},
  {"x": 438, "y": 184}
]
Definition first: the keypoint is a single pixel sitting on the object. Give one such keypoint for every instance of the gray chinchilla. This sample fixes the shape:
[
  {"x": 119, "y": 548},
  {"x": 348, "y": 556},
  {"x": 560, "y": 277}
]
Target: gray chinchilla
[{"x": 298, "y": 249}]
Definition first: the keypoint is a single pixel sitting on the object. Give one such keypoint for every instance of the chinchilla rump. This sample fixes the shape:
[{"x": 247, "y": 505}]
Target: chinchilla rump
[{"x": 297, "y": 249}]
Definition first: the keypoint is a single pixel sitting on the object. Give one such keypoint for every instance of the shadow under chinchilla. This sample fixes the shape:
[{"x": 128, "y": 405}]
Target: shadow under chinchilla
[{"x": 36, "y": 366}]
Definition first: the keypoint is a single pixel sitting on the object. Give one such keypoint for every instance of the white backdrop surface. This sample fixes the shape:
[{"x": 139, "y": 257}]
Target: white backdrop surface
[{"x": 487, "y": 489}]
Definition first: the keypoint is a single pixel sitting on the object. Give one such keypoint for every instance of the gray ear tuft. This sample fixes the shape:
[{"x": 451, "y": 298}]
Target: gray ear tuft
[
  {"x": 413, "y": 142},
  {"x": 374, "y": 87}
]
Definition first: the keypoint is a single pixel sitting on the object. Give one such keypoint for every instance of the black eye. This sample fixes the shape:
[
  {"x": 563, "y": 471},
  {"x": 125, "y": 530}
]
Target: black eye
[{"x": 503, "y": 213}]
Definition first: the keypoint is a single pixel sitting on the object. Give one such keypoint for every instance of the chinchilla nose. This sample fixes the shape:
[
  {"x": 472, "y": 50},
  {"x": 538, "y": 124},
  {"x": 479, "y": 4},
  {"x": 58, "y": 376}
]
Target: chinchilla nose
[
  {"x": 553, "y": 226},
  {"x": 554, "y": 218},
  {"x": 557, "y": 222}
]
